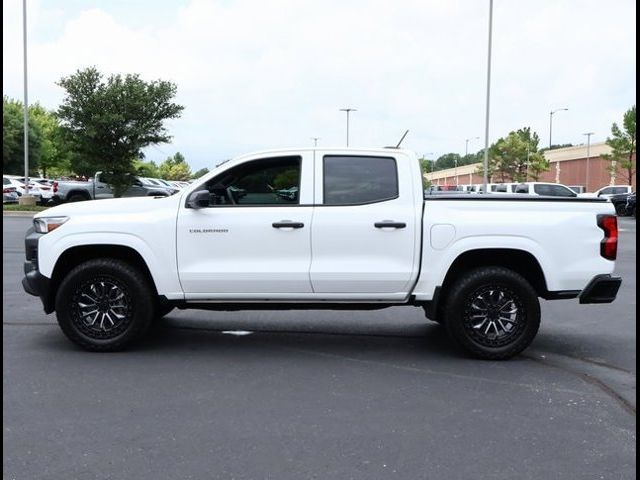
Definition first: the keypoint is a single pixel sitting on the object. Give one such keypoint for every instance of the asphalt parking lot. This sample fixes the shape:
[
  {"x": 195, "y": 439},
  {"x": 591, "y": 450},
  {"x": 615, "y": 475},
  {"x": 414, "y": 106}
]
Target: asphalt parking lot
[{"x": 344, "y": 395}]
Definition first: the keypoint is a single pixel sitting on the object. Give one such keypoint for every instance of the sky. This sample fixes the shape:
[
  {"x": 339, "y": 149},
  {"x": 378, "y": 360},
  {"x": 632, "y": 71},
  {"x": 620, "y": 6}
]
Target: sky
[{"x": 264, "y": 74}]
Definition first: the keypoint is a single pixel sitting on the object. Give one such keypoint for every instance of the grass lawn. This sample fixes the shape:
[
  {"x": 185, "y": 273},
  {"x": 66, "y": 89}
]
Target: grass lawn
[{"x": 14, "y": 207}]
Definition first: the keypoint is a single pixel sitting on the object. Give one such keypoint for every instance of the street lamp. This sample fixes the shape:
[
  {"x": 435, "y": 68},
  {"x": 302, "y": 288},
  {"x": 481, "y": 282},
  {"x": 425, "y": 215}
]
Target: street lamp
[
  {"x": 348, "y": 111},
  {"x": 588, "y": 134},
  {"x": 466, "y": 152},
  {"x": 485, "y": 162},
  {"x": 466, "y": 145},
  {"x": 315, "y": 141},
  {"x": 26, "y": 198},
  {"x": 551, "y": 122}
]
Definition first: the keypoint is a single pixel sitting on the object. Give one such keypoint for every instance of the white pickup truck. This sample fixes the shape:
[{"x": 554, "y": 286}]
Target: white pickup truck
[{"x": 321, "y": 228}]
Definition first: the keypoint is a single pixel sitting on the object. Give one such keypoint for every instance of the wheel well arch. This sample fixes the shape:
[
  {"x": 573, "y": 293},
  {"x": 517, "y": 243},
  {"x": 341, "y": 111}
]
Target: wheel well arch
[
  {"x": 520, "y": 261},
  {"x": 80, "y": 192},
  {"x": 74, "y": 256}
]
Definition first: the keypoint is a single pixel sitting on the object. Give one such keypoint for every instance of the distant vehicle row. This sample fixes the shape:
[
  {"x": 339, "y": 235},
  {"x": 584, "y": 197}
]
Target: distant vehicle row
[
  {"x": 537, "y": 188},
  {"x": 53, "y": 191}
]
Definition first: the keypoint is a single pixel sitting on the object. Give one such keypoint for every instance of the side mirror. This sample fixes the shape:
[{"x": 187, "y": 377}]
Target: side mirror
[{"x": 199, "y": 199}]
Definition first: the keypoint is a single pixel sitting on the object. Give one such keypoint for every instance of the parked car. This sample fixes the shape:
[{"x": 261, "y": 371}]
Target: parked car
[
  {"x": 157, "y": 183},
  {"x": 631, "y": 205},
  {"x": 357, "y": 235},
  {"x": 45, "y": 186},
  {"x": 170, "y": 188},
  {"x": 545, "y": 189},
  {"x": 578, "y": 188},
  {"x": 495, "y": 187},
  {"x": 20, "y": 187},
  {"x": 609, "y": 190},
  {"x": 9, "y": 194},
  {"x": 99, "y": 188},
  {"x": 624, "y": 203}
]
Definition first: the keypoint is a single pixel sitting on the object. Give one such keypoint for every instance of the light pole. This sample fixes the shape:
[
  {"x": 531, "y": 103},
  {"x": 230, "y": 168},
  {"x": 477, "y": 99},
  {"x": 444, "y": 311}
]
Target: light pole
[
  {"x": 348, "y": 111},
  {"x": 466, "y": 152},
  {"x": 588, "y": 134},
  {"x": 25, "y": 198},
  {"x": 486, "y": 123},
  {"x": 315, "y": 141},
  {"x": 466, "y": 145},
  {"x": 551, "y": 122}
]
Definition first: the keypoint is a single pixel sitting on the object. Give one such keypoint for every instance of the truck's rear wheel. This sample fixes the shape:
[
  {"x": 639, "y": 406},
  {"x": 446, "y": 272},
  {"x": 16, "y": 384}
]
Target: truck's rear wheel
[
  {"x": 492, "y": 312},
  {"x": 104, "y": 304},
  {"x": 77, "y": 197}
]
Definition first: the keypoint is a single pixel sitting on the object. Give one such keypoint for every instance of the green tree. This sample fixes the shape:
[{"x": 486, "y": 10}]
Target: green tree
[
  {"x": 109, "y": 122},
  {"x": 623, "y": 146},
  {"x": 146, "y": 169},
  {"x": 426, "y": 166},
  {"x": 175, "y": 168},
  {"x": 448, "y": 160},
  {"x": 516, "y": 157},
  {"x": 13, "y": 139},
  {"x": 200, "y": 173},
  {"x": 55, "y": 153}
]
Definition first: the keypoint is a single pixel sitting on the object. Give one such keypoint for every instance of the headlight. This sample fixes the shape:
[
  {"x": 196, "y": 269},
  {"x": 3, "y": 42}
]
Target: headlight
[{"x": 48, "y": 224}]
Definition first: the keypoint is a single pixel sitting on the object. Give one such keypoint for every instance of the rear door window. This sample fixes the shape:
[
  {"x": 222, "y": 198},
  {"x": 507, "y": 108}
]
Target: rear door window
[{"x": 357, "y": 180}]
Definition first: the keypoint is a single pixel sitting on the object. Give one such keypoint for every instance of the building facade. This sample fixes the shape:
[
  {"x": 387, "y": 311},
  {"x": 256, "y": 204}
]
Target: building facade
[{"x": 569, "y": 166}]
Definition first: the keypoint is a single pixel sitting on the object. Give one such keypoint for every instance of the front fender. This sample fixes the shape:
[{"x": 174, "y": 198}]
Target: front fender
[{"x": 161, "y": 262}]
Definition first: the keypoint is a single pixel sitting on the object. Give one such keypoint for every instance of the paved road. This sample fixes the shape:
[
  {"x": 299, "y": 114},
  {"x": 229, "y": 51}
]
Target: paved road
[{"x": 362, "y": 395}]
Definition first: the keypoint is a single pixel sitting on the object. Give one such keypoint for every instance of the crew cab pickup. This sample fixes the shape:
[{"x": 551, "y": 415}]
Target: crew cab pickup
[
  {"x": 99, "y": 188},
  {"x": 321, "y": 228}
]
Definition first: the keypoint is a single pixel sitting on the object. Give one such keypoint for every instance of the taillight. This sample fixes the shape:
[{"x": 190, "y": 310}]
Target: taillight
[
  {"x": 7, "y": 190},
  {"x": 609, "y": 244},
  {"x": 55, "y": 187}
]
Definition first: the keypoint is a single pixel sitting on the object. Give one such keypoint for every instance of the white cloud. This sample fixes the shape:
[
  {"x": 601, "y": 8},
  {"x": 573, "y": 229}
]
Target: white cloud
[{"x": 255, "y": 74}]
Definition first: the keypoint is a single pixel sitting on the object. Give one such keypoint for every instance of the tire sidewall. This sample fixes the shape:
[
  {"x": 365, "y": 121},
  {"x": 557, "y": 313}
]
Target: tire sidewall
[
  {"x": 137, "y": 289},
  {"x": 470, "y": 283}
]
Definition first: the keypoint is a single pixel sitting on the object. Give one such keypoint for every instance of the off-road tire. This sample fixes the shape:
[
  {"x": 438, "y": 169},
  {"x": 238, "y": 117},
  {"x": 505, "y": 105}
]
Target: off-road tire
[
  {"x": 137, "y": 293},
  {"x": 461, "y": 312}
]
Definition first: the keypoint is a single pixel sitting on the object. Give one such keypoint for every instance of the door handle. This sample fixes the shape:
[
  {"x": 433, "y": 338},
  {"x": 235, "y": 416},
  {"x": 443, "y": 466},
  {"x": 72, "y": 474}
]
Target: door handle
[
  {"x": 99, "y": 186},
  {"x": 389, "y": 224},
  {"x": 287, "y": 224}
]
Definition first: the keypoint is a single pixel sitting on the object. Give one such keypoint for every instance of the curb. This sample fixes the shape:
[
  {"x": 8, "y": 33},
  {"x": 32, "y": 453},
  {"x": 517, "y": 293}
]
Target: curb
[{"x": 18, "y": 214}]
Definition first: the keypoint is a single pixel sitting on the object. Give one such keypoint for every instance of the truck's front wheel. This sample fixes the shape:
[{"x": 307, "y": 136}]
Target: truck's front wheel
[
  {"x": 492, "y": 312},
  {"x": 104, "y": 304}
]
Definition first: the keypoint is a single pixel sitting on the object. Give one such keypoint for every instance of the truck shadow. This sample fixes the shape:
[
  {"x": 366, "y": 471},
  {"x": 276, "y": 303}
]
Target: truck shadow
[{"x": 402, "y": 340}]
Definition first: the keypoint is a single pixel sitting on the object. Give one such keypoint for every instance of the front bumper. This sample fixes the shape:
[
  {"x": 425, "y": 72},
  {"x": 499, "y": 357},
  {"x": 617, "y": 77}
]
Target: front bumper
[
  {"x": 602, "y": 289},
  {"x": 34, "y": 283}
]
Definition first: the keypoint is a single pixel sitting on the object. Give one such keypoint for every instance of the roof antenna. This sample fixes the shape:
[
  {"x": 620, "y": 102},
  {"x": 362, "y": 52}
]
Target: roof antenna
[{"x": 405, "y": 134}]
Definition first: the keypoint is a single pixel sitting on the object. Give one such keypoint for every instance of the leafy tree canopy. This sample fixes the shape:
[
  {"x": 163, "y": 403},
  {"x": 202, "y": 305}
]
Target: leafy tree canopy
[
  {"x": 109, "y": 122},
  {"x": 13, "y": 138},
  {"x": 516, "y": 157},
  {"x": 200, "y": 173},
  {"x": 623, "y": 146},
  {"x": 175, "y": 168}
]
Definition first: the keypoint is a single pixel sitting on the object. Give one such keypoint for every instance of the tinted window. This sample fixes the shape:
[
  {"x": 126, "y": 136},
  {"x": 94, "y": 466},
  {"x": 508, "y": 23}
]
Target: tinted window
[
  {"x": 617, "y": 190},
  {"x": 500, "y": 188},
  {"x": 522, "y": 189},
  {"x": 271, "y": 181},
  {"x": 553, "y": 190},
  {"x": 6, "y": 181},
  {"x": 357, "y": 180}
]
